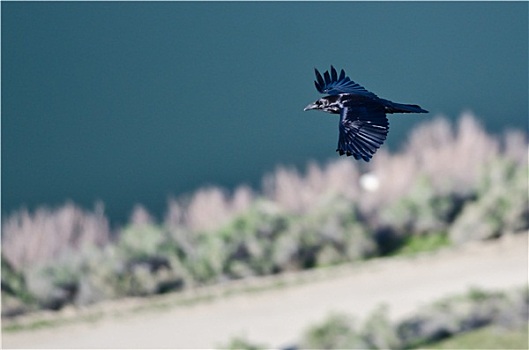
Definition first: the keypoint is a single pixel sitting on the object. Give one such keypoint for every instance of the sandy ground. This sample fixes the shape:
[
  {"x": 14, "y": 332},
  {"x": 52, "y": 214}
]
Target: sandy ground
[{"x": 277, "y": 317}]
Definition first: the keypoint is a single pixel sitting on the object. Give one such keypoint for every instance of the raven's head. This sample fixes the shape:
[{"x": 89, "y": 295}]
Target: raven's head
[{"x": 329, "y": 104}]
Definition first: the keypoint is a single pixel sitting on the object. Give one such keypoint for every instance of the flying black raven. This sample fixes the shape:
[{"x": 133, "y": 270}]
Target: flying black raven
[{"x": 363, "y": 123}]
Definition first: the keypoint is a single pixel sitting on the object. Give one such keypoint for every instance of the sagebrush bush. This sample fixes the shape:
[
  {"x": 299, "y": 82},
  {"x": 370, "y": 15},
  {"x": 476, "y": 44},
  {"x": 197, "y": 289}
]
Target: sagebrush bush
[
  {"x": 501, "y": 206},
  {"x": 16, "y": 297},
  {"x": 459, "y": 314},
  {"x": 422, "y": 210},
  {"x": 341, "y": 331},
  {"x": 378, "y": 332},
  {"x": 55, "y": 284},
  {"x": 99, "y": 279},
  {"x": 338, "y": 331},
  {"x": 249, "y": 240},
  {"x": 442, "y": 319},
  {"x": 33, "y": 238},
  {"x": 241, "y": 343}
]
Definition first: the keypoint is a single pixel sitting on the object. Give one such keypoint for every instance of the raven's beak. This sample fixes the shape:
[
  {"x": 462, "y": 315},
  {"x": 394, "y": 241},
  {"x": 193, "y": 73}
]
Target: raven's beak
[{"x": 311, "y": 106}]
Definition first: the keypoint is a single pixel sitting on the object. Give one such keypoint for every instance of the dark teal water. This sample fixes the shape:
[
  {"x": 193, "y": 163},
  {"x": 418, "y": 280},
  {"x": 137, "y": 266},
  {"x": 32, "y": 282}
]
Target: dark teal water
[{"x": 130, "y": 102}]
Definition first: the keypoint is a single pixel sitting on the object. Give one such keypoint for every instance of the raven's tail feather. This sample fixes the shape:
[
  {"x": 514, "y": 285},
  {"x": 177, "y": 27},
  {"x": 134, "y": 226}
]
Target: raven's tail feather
[{"x": 393, "y": 107}]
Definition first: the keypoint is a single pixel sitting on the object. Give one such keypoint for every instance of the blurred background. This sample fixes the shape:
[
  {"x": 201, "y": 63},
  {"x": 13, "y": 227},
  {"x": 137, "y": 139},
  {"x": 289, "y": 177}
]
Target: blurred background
[
  {"x": 130, "y": 103},
  {"x": 162, "y": 148}
]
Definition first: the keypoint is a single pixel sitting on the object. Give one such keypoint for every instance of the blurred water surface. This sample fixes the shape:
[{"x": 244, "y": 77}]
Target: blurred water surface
[{"x": 132, "y": 102}]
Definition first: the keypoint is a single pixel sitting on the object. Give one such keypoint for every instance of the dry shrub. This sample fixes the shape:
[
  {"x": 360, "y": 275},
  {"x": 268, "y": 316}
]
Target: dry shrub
[
  {"x": 501, "y": 205},
  {"x": 454, "y": 163},
  {"x": 140, "y": 216},
  {"x": 31, "y": 238},
  {"x": 451, "y": 159},
  {"x": 208, "y": 208},
  {"x": 515, "y": 146},
  {"x": 297, "y": 193}
]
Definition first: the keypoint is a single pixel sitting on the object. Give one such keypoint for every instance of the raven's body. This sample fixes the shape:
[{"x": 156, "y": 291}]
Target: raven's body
[{"x": 363, "y": 124}]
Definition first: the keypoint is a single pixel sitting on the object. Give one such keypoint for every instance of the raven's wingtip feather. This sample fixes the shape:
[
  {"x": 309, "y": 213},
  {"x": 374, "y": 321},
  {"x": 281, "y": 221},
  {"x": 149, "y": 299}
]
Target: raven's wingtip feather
[{"x": 356, "y": 156}]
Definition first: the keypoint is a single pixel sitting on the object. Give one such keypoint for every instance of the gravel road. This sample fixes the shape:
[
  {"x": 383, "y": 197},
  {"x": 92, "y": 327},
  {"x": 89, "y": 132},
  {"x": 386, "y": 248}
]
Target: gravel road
[{"x": 277, "y": 317}]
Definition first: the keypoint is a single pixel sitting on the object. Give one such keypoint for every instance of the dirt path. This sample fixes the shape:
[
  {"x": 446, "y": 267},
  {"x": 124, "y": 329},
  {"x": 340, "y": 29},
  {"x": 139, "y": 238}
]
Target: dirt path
[{"x": 277, "y": 317}]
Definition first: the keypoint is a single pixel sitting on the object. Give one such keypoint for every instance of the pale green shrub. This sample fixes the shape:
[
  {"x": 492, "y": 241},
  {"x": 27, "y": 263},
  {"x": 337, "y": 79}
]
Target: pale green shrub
[{"x": 501, "y": 206}]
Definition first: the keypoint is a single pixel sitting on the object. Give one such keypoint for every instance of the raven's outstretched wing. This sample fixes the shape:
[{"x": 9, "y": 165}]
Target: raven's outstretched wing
[
  {"x": 332, "y": 84},
  {"x": 363, "y": 130}
]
